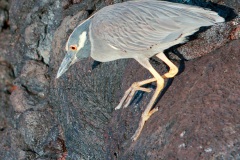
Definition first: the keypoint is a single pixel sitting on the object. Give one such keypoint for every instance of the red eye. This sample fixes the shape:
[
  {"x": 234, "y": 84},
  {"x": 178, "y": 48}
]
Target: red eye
[{"x": 73, "y": 47}]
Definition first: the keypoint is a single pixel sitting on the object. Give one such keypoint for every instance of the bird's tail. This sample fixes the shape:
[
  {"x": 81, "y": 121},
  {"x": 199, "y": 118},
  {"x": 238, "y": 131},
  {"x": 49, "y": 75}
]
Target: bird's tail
[
  {"x": 206, "y": 13},
  {"x": 213, "y": 16}
]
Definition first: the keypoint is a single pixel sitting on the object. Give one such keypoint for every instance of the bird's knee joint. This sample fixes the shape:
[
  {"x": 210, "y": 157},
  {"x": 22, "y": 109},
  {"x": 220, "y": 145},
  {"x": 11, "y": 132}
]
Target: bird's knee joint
[
  {"x": 172, "y": 72},
  {"x": 145, "y": 117},
  {"x": 135, "y": 85},
  {"x": 160, "y": 80},
  {"x": 160, "y": 83},
  {"x": 175, "y": 70}
]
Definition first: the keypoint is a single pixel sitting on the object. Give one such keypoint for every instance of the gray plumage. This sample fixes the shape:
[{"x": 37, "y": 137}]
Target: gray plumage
[
  {"x": 136, "y": 29},
  {"x": 146, "y": 27},
  {"x": 139, "y": 30}
]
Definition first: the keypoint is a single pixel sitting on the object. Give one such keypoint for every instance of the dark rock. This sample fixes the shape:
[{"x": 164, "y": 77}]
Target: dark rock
[
  {"x": 3, "y": 18},
  {"x": 34, "y": 87},
  {"x": 6, "y": 85},
  {"x": 198, "y": 116},
  {"x": 37, "y": 132},
  {"x": 73, "y": 117},
  {"x": 22, "y": 101},
  {"x": 4, "y": 4},
  {"x": 6, "y": 76},
  {"x": 221, "y": 6},
  {"x": 6, "y": 79},
  {"x": 218, "y": 35},
  {"x": 40, "y": 132},
  {"x": 4, "y": 15},
  {"x": 13, "y": 146},
  {"x": 34, "y": 77}
]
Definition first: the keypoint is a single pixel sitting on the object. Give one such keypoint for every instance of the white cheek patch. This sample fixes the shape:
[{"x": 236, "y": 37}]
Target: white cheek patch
[
  {"x": 66, "y": 46},
  {"x": 82, "y": 40}
]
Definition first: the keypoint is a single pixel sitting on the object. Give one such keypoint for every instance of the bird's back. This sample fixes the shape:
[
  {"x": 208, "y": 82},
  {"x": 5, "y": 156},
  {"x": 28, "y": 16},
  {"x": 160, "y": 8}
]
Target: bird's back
[{"x": 145, "y": 26}]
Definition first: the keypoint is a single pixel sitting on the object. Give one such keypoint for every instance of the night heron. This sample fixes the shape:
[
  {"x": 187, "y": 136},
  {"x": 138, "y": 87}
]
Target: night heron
[{"x": 138, "y": 30}]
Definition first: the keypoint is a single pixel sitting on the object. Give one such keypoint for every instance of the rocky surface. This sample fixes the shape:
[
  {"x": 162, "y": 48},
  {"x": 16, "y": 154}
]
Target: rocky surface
[
  {"x": 4, "y": 16},
  {"x": 198, "y": 116},
  {"x": 73, "y": 117}
]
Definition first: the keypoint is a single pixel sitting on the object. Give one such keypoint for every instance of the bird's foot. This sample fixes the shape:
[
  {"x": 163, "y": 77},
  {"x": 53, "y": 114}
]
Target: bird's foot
[
  {"x": 128, "y": 96},
  {"x": 144, "y": 118}
]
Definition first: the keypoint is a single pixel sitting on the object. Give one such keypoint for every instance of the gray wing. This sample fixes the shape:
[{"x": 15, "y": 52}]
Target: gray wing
[{"x": 136, "y": 26}]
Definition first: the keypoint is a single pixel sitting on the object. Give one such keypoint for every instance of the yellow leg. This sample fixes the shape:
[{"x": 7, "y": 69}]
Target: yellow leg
[
  {"x": 137, "y": 86},
  {"x": 173, "y": 69},
  {"x": 147, "y": 112}
]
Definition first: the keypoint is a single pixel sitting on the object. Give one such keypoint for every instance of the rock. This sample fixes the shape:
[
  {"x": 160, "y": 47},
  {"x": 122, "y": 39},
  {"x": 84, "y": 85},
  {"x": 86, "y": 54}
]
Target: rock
[
  {"x": 218, "y": 35},
  {"x": 22, "y": 101},
  {"x": 13, "y": 146},
  {"x": 35, "y": 84},
  {"x": 202, "y": 103},
  {"x": 34, "y": 78},
  {"x": 32, "y": 36},
  {"x": 73, "y": 117},
  {"x": 40, "y": 133},
  {"x": 6, "y": 79},
  {"x": 4, "y": 16}
]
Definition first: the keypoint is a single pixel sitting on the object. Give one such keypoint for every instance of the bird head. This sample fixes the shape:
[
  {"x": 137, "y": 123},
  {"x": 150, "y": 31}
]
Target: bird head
[{"x": 78, "y": 47}]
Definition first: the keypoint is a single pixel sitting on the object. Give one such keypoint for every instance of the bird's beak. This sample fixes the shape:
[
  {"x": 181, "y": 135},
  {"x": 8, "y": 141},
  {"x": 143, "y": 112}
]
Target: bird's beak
[{"x": 68, "y": 60}]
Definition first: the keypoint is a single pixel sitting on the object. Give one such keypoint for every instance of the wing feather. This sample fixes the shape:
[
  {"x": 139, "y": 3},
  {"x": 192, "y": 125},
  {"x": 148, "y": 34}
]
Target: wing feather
[{"x": 136, "y": 26}]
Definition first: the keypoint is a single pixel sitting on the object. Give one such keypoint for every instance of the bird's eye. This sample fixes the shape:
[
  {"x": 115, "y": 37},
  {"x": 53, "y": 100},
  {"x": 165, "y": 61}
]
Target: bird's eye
[{"x": 73, "y": 47}]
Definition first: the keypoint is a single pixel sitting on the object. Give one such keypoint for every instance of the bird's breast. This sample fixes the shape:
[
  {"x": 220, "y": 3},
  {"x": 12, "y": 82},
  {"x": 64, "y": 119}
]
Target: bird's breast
[{"x": 102, "y": 51}]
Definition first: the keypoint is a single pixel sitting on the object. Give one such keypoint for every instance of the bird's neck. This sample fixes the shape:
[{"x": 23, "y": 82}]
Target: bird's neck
[{"x": 86, "y": 50}]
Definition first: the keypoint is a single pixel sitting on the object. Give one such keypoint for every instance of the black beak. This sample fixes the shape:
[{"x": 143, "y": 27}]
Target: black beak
[{"x": 68, "y": 60}]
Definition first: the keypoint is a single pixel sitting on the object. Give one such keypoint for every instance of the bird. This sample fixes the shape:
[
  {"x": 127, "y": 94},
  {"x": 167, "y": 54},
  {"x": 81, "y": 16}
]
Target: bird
[{"x": 137, "y": 30}]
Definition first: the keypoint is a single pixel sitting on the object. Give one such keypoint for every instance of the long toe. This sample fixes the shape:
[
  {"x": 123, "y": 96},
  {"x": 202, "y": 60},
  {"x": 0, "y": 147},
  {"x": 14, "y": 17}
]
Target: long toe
[
  {"x": 124, "y": 98},
  {"x": 144, "y": 118},
  {"x": 129, "y": 98},
  {"x": 129, "y": 94},
  {"x": 139, "y": 130}
]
